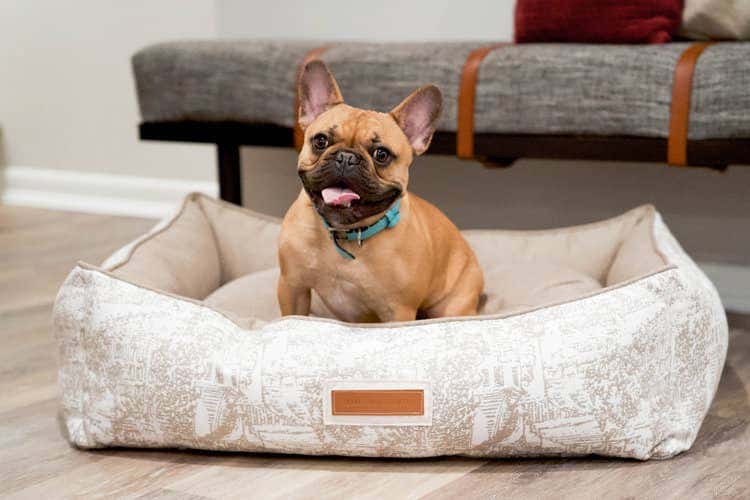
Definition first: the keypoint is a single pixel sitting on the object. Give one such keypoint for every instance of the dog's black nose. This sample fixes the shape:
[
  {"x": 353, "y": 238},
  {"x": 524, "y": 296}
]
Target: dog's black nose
[{"x": 347, "y": 158}]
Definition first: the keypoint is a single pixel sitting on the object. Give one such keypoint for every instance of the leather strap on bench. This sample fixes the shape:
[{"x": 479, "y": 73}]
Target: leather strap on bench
[
  {"x": 466, "y": 97},
  {"x": 299, "y": 135},
  {"x": 679, "y": 114}
]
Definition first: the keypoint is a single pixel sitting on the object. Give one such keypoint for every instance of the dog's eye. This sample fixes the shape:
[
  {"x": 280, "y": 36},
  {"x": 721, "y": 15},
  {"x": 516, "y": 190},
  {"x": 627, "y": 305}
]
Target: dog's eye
[
  {"x": 381, "y": 156},
  {"x": 320, "y": 142}
]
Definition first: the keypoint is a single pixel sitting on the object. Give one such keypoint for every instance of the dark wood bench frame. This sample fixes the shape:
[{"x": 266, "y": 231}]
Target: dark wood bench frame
[{"x": 494, "y": 150}]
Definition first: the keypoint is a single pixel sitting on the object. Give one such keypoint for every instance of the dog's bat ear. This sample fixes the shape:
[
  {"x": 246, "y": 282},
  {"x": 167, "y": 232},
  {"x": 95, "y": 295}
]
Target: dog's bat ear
[
  {"x": 418, "y": 114},
  {"x": 318, "y": 91}
]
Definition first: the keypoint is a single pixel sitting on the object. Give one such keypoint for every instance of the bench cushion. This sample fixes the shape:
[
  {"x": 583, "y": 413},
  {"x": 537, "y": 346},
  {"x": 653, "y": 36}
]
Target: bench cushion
[{"x": 616, "y": 90}]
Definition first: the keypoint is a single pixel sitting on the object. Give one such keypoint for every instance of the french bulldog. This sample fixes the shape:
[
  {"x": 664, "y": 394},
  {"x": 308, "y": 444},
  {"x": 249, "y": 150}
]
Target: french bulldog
[{"x": 369, "y": 249}]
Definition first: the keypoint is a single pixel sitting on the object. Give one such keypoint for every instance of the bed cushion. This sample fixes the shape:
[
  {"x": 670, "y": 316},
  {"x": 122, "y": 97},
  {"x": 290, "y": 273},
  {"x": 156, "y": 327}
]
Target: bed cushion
[
  {"x": 619, "y": 90},
  {"x": 603, "y": 338},
  {"x": 509, "y": 287}
]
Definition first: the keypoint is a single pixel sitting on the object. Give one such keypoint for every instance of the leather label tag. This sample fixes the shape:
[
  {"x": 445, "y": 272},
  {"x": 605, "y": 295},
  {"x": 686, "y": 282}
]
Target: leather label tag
[{"x": 375, "y": 402}]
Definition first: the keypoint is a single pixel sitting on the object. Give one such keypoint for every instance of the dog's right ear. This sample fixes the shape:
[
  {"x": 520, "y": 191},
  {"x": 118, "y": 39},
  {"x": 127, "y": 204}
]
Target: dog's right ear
[{"x": 318, "y": 91}]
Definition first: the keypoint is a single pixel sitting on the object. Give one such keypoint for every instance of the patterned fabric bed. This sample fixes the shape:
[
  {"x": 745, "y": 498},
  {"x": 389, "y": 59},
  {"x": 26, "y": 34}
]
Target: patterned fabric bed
[
  {"x": 597, "y": 339},
  {"x": 609, "y": 90}
]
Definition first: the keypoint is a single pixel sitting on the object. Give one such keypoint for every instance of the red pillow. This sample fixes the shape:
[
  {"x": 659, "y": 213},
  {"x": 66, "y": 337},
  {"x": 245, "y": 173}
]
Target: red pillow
[{"x": 597, "y": 21}]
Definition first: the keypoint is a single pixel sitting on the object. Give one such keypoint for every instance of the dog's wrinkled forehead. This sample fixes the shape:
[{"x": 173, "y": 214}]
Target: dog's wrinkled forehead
[
  {"x": 352, "y": 127},
  {"x": 409, "y": 125}
]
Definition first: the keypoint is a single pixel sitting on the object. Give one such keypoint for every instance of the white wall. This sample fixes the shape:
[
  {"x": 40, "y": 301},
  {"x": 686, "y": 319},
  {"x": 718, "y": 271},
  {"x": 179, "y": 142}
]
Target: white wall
[
  {"x": 67, "y": 98},
  {"x": 404, "y": 20}
]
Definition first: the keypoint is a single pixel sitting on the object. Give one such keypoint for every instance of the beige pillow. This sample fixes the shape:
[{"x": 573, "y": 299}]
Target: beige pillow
[{"x": 716, "y": 19}]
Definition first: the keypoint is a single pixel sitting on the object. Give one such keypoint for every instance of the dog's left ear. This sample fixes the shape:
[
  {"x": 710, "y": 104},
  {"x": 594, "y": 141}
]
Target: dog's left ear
[{"x": 418, "y": 114}]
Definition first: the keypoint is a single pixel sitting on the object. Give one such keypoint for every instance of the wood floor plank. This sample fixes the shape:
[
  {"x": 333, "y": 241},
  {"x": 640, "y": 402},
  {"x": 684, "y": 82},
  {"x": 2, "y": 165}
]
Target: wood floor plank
[
  {"x": 165, "y": 494},
  {"x": 303, "y": 477},
  {"x": 108, "y": 477},
  {"x": 37, "y": 250},
  {"x": 39, "y": 247}
]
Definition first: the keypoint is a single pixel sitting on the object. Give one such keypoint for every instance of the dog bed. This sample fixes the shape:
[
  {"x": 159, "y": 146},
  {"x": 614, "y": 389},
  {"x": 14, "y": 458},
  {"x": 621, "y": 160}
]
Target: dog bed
[{"x": 600, "y": 339}]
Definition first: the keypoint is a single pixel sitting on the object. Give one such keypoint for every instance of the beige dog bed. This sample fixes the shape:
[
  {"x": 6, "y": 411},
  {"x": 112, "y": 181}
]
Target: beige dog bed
[{"x": 597, "y": 339}]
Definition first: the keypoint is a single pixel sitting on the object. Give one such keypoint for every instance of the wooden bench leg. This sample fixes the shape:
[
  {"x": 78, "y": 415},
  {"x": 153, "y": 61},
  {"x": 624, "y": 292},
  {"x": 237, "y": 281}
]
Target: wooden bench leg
[{"x": 230, "y": 172}]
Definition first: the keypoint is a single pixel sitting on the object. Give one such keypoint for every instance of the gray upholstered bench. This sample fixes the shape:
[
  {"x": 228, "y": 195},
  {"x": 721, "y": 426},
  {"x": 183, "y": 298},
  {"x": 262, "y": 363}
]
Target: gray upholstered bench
[{"x": 603, "y": 102}]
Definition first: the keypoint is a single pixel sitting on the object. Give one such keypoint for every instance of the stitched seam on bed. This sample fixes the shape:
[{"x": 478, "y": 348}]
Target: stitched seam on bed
[
  {"x": 655, "y": 243},
  {"x": 193, "y": 197},
  {"x": 236, "y": 320},
  {"x": 153, "y": 235},
  {"x": 220, "y": 257},
  {"x": 566, "y": 229},
  {"x": 488, "y": 317},
  {"x": 651, "y": 212},
  {"x": 237, "y": 208}
]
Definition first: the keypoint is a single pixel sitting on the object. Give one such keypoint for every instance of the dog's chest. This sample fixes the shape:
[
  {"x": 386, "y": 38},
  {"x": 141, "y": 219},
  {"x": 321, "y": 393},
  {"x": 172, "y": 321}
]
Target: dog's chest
[
  {"x": 353, "y": 293},
  {"x": 347, "y": 303}
]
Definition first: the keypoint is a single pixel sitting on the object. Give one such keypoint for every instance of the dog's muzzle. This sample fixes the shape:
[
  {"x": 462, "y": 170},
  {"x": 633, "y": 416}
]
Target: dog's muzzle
[{"x": 347, "y": 158}]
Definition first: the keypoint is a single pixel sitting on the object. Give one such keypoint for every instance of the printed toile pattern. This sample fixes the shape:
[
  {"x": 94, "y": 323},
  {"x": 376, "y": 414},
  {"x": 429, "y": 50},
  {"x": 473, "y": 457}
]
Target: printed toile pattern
[{"x": 628, "y": 373}]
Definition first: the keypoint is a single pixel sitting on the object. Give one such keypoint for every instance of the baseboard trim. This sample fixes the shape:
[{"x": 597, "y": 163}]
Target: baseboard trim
[
  {"x": 733, "y": 284},
  {"x": 111, "y": 194}
]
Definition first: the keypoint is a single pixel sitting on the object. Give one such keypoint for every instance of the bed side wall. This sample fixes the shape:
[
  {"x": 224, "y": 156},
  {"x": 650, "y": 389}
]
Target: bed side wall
[
  {"x": 140, "y": 368},
  {"x": 246, "y": 241},
  {"x": 590, "y": 248},
  {"x": 699, "y": 346}
]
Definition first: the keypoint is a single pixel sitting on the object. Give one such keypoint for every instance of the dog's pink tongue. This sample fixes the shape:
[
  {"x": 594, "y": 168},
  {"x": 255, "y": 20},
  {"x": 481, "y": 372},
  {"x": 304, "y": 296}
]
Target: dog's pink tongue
[{"x": 338, "y": 196}]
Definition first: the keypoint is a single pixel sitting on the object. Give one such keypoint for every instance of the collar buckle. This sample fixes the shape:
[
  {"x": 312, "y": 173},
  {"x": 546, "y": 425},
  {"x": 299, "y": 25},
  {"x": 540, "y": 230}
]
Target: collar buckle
[{"x": 337, "y": 234}]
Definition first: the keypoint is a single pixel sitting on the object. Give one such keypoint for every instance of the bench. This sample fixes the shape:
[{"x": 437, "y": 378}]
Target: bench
[{"x": 554, "y": 101}]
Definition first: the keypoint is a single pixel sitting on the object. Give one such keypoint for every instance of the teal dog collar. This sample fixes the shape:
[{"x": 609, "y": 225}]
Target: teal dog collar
[{"x": 360, "y": 234}]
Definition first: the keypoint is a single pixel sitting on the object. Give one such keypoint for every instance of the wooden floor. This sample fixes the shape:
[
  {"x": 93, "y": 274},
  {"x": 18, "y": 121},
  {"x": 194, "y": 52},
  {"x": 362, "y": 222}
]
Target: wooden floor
[{"x": 38, "y": 248}]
